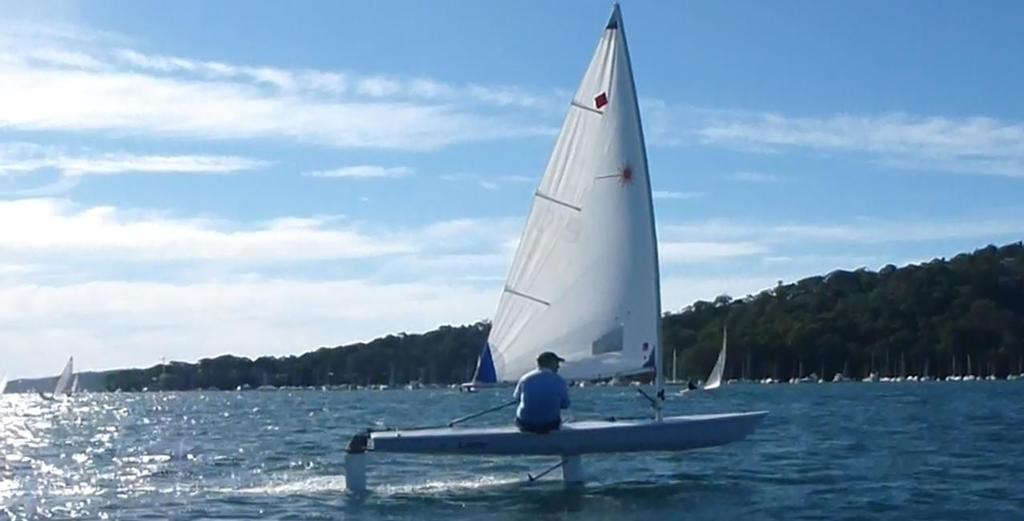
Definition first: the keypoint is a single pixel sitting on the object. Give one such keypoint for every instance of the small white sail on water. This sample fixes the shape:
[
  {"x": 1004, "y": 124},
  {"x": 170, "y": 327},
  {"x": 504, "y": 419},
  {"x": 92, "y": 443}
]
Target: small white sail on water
[
  {"x": 3, "y": 383},
  {"x": 714, "y": 380},
  {"x": 64, "y": 381}
]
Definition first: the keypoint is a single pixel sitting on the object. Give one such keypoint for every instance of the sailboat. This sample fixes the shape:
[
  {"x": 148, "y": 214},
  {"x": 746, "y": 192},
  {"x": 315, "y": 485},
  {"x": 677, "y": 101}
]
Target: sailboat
[
  {"x": 3, "y": 383},
  {"x": 483, "y": 375},
  {"x": 64, "y": 381},
  {"x": 714, "y": 380},
  {"x": 584, "y": 282}
]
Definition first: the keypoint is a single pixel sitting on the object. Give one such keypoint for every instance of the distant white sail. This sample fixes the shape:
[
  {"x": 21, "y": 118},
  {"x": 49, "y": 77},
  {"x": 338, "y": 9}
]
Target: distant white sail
[
  {"x": 74, "y": 385},
  {"x": 584, "y": 280},
  {"x": 3, "y": 383},
  {"x": 64, "y": 382},
  {"x": 714, "y": 380}
]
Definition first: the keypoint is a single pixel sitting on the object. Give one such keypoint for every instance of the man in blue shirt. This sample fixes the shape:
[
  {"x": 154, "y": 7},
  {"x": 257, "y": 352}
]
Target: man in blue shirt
[{"x": 542, "y": 395}]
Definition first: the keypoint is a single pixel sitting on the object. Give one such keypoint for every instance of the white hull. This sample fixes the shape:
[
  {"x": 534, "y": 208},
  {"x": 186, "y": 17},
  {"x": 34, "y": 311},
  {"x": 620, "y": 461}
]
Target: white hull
[{"x": 676, "y": 433}]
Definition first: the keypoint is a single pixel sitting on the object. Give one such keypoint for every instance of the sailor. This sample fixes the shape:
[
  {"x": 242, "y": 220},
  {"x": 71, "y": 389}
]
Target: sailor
[{"x": 542, "y": 394}]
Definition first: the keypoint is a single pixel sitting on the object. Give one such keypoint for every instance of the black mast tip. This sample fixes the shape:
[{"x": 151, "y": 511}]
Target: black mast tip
[{"x": 616, "y": 19}]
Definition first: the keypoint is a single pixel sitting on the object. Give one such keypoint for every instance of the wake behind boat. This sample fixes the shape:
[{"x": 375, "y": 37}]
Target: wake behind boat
[{"x": 585, "y": 282}]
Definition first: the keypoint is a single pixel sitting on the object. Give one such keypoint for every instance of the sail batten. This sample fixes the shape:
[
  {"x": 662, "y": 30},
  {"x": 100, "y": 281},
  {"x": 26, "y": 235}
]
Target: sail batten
[
  {"x": 579, "y": 105},
  {"x": 556, "y": 201},
  {"x": 528, "y": 297},
  {"x": 584, "y": 279}
]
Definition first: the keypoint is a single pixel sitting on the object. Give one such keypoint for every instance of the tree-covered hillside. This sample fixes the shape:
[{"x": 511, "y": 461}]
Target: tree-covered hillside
[{"x": 933, "y": 318}]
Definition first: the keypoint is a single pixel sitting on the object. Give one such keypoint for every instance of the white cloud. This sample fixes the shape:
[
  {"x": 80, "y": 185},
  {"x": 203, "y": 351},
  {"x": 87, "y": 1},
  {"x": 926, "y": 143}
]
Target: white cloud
[
  {"x": 679, "y": 292},
  {"x": 671, "y": 252},
  {"x": 74, "y": 87},
  {"x": 18, "y": 269},
  {"x": 667, "y": 194},
  {"x": 754, "y": 177},
  {"x": 830, "y": 262},
  {"x": 378, "y": 87},
  {"x": 862, "y": 231},
  {"x": 977, "y": 145},
  {"x": 103, "y": 323},
  {"x": 364, "y": 171},
  {"x": 490, "y": 266},
  {"x": 58, "y": 229},
  {"x": 139, "y": 104},
  {"x": 334, "y": 82},
  {"x": 18, "y": 158},
  {"x": 488, "y": 182},
  {"x": 506, "y": 96},
  {"x": 467, "y": 231},
  {"x": 66, "y": 58},
  {"x": 74, "y": 236}
]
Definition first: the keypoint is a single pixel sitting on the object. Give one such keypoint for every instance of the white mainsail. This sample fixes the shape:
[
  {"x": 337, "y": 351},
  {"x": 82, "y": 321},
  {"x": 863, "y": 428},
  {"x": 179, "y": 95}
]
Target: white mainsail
[
  {"x": 714, "y": 380},
  {"x": 3, "y": 383},
  {"x": 584, "y": 280},
  {"x": 64, "y": 381},
  {"x": 74, "y": 385}
]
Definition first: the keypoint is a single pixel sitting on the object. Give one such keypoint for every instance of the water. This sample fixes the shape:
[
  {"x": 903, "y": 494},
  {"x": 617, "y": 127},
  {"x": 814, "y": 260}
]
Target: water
[{"x": 838, "y": 451}]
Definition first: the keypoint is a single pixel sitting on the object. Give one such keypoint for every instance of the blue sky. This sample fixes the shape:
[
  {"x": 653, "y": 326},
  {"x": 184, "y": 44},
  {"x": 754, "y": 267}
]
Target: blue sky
[{"x": 192, "y": 178}]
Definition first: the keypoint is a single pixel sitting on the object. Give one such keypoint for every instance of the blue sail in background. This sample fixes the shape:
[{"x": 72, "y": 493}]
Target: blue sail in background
[{"x": 485, "y": 372}]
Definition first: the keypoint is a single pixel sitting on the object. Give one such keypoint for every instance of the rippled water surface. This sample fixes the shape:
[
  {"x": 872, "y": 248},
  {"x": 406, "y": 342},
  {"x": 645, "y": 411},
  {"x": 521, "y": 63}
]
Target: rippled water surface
[{"x": 837, "y": 451}]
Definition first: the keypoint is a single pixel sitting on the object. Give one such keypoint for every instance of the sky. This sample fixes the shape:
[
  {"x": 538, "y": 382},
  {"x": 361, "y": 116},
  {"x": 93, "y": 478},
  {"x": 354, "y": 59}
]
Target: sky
[{"x": 187, "y": 179}]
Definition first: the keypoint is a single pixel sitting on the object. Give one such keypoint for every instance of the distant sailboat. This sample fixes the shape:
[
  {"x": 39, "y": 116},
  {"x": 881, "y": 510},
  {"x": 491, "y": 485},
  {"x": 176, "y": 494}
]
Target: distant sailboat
[
  {"x": 74, "y": 386},
  {"x": 3, "y": 383},
  {"x": 484, "y": 375},
  {"x": 64, "y": 381},
  {"x": 714, "y": 380},
  {"x": 584, "y": 282}
]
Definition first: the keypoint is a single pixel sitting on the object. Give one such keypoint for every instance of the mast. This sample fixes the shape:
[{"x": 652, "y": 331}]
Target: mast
[
  {"x": 675, "y": 371},
  {"x": 659, "y": 378}
]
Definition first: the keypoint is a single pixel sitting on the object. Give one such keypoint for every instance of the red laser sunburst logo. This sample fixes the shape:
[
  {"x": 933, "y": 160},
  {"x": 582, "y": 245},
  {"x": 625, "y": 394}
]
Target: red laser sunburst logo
[{"x": 626, "y": 176}]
